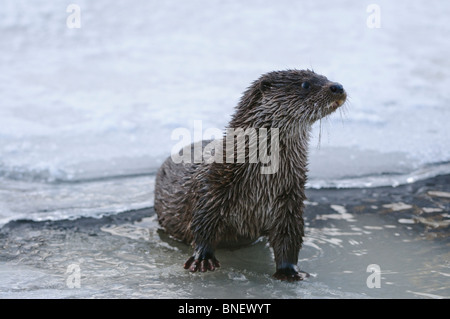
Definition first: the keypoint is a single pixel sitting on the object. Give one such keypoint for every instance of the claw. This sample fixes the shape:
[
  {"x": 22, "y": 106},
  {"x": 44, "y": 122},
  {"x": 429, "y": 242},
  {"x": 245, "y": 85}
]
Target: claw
[
  {"x": 204, "y": 265},
  {"x": 188, "y": 263},
  {"x": 216, "y": 263},
  {"x": 194, "y": 266}
]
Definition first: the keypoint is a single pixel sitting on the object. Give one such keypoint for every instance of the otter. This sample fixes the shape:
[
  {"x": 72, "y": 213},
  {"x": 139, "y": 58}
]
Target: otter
[{"x": 229, "y": 203}]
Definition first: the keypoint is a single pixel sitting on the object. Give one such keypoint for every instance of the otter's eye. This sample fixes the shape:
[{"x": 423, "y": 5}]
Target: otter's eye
[{"x": 305, "y": 85}]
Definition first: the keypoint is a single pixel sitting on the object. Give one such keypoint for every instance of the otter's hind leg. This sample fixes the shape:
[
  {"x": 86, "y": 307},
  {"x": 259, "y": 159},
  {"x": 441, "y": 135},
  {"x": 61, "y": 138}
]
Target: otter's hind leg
[{"x": 170, "y": 204}]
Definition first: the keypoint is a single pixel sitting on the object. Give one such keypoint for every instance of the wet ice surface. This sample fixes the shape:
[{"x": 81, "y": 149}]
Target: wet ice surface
[{"x": 127, "y": 256}]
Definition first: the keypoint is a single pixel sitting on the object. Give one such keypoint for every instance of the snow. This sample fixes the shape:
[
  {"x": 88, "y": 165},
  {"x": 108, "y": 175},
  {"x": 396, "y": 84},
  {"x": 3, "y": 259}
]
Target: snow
[{"x": 102, "y": 101}]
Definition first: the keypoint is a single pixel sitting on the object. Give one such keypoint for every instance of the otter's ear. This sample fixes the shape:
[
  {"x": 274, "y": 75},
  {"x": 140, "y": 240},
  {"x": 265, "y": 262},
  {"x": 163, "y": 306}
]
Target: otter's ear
[{"x": 264, "y": 86}]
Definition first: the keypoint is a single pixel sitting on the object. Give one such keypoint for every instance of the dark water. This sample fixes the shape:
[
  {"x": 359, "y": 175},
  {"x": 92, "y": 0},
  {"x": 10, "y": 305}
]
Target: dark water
[{"x": 403, "y": 230}]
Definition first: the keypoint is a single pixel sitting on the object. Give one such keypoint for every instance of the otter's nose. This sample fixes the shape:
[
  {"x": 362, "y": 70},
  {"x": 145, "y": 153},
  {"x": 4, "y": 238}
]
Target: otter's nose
[{"x": 337, "y": 88}]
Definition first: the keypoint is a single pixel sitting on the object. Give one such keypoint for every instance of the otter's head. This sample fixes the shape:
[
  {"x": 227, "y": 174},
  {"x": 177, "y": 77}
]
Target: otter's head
[{"x": 285, "y": 98}]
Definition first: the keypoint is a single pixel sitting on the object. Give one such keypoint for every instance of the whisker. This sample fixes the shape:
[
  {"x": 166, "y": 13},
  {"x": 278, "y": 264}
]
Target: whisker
[
  {"x": 320, "y": 129},
  {"x": 328, "y": 124}
]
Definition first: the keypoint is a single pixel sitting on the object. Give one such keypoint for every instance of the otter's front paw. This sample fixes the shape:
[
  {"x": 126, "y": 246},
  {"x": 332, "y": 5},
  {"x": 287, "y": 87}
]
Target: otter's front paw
[
  {"x": 194, "y": 264},
  {"x": 289, "y": 273},
  {"x": 203, "y": 259}
]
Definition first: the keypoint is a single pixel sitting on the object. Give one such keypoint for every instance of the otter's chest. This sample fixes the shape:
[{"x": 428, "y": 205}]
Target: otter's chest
[{"x": 258, "y": 200}]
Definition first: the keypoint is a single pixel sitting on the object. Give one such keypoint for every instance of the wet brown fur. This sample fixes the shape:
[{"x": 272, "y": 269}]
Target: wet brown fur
[{"x": 215, "y": 204}]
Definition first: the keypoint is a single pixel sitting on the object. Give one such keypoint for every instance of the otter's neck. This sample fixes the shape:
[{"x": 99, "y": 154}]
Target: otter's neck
[{"x": 294, "y": 149}]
